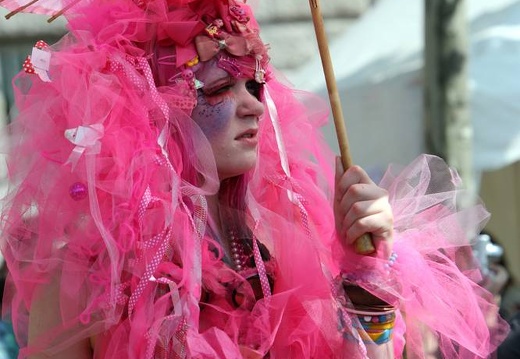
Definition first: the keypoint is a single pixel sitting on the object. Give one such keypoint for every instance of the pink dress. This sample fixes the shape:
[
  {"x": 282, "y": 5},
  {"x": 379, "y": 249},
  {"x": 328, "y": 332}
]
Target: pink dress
[{"x": 99, "y": 208}]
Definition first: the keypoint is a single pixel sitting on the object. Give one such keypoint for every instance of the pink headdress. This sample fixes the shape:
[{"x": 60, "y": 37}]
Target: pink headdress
[{"x": 173, "y": 35}]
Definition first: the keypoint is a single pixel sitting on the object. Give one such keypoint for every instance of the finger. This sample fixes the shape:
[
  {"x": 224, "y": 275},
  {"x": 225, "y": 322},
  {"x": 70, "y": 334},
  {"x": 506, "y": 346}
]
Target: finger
[
  {"x": 361, "y": 193},
  {"x": 354, "y": 175},
  {"x": 379, "y": 225},
  {"x": 339, "y": 169},
  {"x": 384, "y": 248},
  {"x": 362, "y": 209}
]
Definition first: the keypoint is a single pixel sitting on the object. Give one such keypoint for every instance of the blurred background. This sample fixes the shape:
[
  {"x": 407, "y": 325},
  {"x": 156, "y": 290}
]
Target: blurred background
[{"x": 415, "y": 76}]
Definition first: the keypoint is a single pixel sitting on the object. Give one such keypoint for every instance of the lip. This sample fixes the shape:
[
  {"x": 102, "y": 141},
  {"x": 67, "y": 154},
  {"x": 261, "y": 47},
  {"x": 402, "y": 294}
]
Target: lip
[{"x": 249, "y": 136}]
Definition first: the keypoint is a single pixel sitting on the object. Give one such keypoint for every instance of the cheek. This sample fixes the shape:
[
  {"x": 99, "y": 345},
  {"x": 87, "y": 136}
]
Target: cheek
[{"x": 213, "y": 119}]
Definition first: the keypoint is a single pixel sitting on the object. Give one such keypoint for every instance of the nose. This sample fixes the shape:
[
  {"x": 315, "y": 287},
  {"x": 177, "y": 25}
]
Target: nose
[{"x": 248, "y": 105}]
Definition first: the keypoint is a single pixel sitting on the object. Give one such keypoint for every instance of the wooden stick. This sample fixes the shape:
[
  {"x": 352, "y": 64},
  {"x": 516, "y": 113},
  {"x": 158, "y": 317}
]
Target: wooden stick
[
  {"x": 21, "y": 8},
  {"x": 62, "y": 11},
  {"x": 363, "y": 244}
]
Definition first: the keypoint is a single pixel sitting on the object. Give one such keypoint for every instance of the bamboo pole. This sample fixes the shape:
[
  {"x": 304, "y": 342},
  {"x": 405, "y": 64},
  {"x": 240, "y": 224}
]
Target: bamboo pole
[{"x": 363, "y": 244}]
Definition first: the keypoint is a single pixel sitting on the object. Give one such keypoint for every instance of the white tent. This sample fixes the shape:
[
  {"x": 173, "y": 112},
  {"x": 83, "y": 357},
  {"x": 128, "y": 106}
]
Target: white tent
[{"x": 378, "y": 64}]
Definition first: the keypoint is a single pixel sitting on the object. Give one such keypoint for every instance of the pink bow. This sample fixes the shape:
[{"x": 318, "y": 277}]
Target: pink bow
[{"x": 208, "y": 47}]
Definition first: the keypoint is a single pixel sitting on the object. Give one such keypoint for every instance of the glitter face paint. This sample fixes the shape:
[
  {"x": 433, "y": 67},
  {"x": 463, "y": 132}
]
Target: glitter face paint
[{"x": 211, "y": 115}]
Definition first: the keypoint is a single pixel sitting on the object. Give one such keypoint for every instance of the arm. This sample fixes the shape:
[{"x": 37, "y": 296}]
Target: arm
[
  {"x": 44, "y": 316},
  {"x": 360, "y": 207}
]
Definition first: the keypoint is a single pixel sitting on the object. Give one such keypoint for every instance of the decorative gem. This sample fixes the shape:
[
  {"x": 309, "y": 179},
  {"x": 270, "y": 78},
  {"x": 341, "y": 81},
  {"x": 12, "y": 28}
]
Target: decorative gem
[
  {"x": 198, "y": 84},
  {"x": 221, "y": 44},
  {"x": 78, "y": 191}
]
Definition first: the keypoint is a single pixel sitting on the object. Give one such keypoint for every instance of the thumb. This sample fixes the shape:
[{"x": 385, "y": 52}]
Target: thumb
[{"x": 339, "y": 168}]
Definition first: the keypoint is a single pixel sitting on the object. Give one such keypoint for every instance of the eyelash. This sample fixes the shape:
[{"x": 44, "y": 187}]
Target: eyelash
[
  {"x": 253, "y": 87},
  {"x": 220, "y": 89}
]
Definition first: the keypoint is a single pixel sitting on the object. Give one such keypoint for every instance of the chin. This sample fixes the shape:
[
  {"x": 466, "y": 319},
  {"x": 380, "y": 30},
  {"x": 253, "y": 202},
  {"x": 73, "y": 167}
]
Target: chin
[{"x": 243, "y": 167}]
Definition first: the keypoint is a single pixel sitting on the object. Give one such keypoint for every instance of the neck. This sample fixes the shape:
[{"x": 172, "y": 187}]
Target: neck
[{"x": 214, "y": 214}]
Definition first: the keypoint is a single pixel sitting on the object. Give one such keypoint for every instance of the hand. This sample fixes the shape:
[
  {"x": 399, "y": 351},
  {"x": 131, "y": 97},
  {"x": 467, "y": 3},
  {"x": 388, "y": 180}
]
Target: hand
[{"x": 360, "y": 206}]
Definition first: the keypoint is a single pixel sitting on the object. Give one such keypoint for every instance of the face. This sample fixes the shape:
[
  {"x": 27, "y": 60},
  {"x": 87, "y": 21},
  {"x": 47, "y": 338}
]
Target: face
[{"x": 228, "y": 110}]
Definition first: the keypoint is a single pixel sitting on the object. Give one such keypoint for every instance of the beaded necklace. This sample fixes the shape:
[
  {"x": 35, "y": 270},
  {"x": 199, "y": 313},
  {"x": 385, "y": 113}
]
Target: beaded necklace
[
  {"x": 244, "y": 261},
  {"x": 238, "y": 255}
]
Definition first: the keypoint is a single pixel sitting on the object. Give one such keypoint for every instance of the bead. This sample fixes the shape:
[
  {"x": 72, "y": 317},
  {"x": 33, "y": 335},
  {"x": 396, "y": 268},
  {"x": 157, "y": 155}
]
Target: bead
[
  {"x": 238, "y": 256},
  {"x": 78, "y": 191},
  {"x": 188, "y": 75}
]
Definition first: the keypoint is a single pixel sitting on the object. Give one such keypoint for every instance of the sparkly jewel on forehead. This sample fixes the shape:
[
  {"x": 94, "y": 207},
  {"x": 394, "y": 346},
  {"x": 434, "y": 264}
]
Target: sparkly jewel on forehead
[{"x": 229, "y": 65}]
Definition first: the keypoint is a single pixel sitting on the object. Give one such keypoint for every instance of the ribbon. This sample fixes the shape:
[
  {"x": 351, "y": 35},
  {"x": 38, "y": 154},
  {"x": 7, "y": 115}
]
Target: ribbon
[
  {"x": 273, "y": 114},
  {"x": 208, "y": 47},
  {"x": 39, "y": 61},
  {"x": 86, "y": 139}
]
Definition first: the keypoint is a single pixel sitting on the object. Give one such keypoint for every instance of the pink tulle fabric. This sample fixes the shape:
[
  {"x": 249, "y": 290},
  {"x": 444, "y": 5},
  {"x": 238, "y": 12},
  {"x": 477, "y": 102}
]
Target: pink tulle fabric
[{"x": 111, "y": 228}]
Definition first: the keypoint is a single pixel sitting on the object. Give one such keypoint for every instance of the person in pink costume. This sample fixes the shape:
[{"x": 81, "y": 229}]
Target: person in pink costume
[{"x": 171, "y": 197}]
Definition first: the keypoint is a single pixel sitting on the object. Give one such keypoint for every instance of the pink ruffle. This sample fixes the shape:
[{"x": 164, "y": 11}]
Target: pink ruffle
[{"x": 434, "y": 280}]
